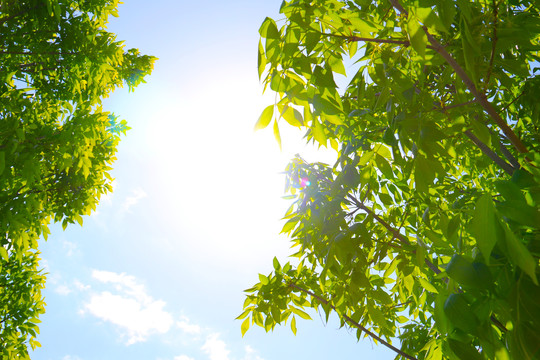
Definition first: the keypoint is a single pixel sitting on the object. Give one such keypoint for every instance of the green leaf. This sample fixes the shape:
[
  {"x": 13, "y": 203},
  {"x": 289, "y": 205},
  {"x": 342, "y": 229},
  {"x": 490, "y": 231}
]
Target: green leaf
[
  {"x": 481, "y": 131},
  {"x": 276, "y": 264},
  {"x": 312, "y": 39},
  {"x": 245, "y": 326},
  {"x": 429, "y": 18},
  {"x": 447, "y": 11},
  {"x": 519, "y": 254},
  {"x": 364, "y": 27},
  {"x": 277, "y": 136},
  {"x": 417, "y": 36},
  {"x": 289, "y": 225},
  {"x": 269, "y": 29},
  {"x": 464, "y": 351},
  {"x": 300, "y": 313},
  {"x": 485, "y": 226},
  {"x": 57, "y": 11},
  {"x": 265, "y": 117},
  {"x": 263, "y": 279},
  {"x": 318, "y": 132},
  {"x": 244, "y": 313},
  {"x": 2, "y": 162},
  {"x": 423, "y": 174},
  {"x": 293, "y": 325},
  {"x": 459, "y": 312},
  {"x": 427, "y": 285},
  {"x": 49, "y": 7},
  {"x": 336, "y": 64},
  {"x": 292, "y": 116},
  {"x": 261, "y": 60},
  {"x": 376, "y": 315},
  {"x": 440, "y": 317},
  {"x": 469, "y": 274},
  {"x": 3, "y": 253},
  {"x": 323, "y": 78}
]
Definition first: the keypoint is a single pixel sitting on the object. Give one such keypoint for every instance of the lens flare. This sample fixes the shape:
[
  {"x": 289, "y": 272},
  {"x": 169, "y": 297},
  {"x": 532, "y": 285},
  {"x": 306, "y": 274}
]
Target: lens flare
[{"x": 304, "y": 182}]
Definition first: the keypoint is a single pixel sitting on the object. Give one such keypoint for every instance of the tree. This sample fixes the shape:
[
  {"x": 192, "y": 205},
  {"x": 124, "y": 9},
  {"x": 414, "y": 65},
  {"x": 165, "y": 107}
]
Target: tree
[
  {"x": 57, "y": 63},
  {"x": 427, "y": 228}
]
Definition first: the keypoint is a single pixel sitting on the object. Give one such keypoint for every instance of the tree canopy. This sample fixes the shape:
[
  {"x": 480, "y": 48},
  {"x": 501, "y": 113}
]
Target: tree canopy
[
  {"x": 425, "y": 234},
  {"x": 57, "y": 143}
]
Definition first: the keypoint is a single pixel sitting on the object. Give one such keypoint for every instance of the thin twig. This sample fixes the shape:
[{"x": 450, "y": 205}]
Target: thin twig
[
  {"x": 394, "y": 232},
  {"x": 352, "y": 322},
  {"x": 358, "y": 38}
]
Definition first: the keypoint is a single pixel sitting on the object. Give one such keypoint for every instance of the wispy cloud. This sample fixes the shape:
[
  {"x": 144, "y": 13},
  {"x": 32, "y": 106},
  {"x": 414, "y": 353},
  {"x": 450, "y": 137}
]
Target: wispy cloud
[
  {"x": 251, "y": 354},
  {"x": 70, "y": 247},
  {"x": 133, "y": 199},
  {"x": 183, "y": 357},
  {"x": 215, "y": 348},
  {"x": 69, "y": 357},
  {"x": 130, "y": 308},
  {"x": 63, "y": 290},
  {"x": 186, "y": 326}
]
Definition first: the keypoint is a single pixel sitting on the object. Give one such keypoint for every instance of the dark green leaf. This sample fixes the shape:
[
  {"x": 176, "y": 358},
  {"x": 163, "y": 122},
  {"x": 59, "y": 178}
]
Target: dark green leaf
[{"x": 485, "y": 227}]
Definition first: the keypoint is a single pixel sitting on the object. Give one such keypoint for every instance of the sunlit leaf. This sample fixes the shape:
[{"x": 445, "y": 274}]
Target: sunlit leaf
[{"x": 265, "y": 117}]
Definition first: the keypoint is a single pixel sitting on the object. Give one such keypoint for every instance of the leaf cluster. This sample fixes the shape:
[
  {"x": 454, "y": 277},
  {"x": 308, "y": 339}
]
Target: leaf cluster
[
  {"x": 57, "y": 143},
  {"x": 427, "y": 228}
]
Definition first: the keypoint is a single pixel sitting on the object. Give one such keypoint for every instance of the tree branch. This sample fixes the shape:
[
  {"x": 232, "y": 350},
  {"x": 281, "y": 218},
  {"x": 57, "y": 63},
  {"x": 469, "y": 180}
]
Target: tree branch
[
  {"x": 357, "y": 38},
  {"x": 352, "y": 322},
  {"x": 394, "y": 232},
  {"x": 509, "y": 169},
  {"x": 481, "y": 98}
]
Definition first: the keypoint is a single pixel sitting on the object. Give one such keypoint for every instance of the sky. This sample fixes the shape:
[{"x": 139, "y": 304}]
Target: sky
[{"x": 157, "y": 272}]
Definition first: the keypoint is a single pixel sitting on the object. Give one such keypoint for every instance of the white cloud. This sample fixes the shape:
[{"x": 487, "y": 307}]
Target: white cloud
[
  {"x": 183, "y": 357},
  {"x": 70, "y": 247},
  {"x": 251, "y": 354},
  {"x": 132, "y": 200},
  {"x": 130, "y": 307},
  {"x": 80, "y": 286},
  {"x": 69, "y": 357},
  {"x": 185, "y": 325},
  {"x": 215, "y": 348},
  {"x": 62, "y": 290}
]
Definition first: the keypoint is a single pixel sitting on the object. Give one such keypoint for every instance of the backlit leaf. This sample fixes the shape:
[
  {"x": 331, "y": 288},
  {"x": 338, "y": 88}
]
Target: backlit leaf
[
  {"x": 417, "y": 36},
  {"x": 265, "y": 117},
  {"x": 485, "y": 226}
]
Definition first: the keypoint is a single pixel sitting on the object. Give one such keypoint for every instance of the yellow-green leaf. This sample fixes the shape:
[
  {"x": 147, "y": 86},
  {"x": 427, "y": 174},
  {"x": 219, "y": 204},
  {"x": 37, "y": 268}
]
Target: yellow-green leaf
[
  {"x": 245, "y": 326},
  {"x": 318, "y": 132},
  {"x": 519, "y": 254},
  {"x": 261, "y": 60},
  {"x": 428, "y": 17},
  {"x": 300, "y": 313},
  {"x": 427, "y": 285},
  {"x": 484, "y": 225},
  {"x": 417, "y": 36},
  {"x": 3, "y": 253},
  {"x": 265, "y": 117},
  {"x": 292, "y": 116},
  {"x": 276, "y": 134}
]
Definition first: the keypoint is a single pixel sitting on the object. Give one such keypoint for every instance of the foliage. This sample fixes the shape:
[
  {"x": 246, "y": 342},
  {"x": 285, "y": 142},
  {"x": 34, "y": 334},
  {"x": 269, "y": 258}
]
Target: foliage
[
  {"x": 21, "y": 303},
  {"x": 57, "y": 63},
  {"x": 427, "y": 228}
]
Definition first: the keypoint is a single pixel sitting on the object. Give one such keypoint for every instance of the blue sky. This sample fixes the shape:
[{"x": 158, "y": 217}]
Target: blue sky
[{"x": 158, "y": 271}]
